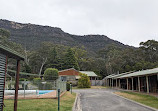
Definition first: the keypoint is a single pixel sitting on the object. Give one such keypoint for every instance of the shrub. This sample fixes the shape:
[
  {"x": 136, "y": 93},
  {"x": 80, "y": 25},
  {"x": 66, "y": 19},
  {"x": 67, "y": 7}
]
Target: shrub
[
  {"x": 36, "y": 81},
  {"x": 68, "y": 86},
  {"x": 22, "y": 79},
  {"x": 51, "y": 74},
  {"x": 31, "y": 78},
  {"x": 84, "y": 81}
]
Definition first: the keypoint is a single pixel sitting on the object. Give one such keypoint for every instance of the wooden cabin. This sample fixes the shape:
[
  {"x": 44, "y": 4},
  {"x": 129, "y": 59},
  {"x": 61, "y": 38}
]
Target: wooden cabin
[{"x": 6, "y": 53}]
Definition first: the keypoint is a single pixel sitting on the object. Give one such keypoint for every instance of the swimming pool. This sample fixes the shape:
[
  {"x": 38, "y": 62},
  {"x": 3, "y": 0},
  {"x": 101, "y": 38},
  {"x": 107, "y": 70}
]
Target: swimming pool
[
  {"x": 28, "y": 92},
  {"x": 44, "y": 91}
]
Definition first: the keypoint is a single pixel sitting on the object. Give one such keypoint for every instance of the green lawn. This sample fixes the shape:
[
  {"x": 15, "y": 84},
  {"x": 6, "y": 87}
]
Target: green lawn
[
  {"x": 141, "y": 98},
  {"x": 67, "y": 102}
]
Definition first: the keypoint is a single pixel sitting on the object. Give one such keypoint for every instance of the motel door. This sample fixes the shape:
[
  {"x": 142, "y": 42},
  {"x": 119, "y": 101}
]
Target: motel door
[{"x": 2, "y": 78}]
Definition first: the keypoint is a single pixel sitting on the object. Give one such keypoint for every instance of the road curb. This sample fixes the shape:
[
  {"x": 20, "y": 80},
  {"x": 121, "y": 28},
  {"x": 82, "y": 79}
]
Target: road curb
[
  {"x": 77, "y": 104},
  {"x": 136, "y": 102}
]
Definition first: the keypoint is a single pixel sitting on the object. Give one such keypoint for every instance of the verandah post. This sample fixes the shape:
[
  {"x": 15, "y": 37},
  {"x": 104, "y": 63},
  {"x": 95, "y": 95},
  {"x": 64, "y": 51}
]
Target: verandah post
[
  {"x": 112, "y": 82},
  {"x": 127, "y": 83},
  {"x": 16, "y": 85},
  {"x": 116, "y": 82},
  {"x": 119, "y": 83},
  {"x": 139, "y": 83},
  {"x": 147, "y": 84},
  {"x": 132, "y": 84}
]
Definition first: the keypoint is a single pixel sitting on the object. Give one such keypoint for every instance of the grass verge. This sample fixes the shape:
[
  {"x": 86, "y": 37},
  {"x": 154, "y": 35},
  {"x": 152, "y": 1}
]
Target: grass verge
[
  {"x": 141, "y": 98},
  {"x": 66, "y": 104}
]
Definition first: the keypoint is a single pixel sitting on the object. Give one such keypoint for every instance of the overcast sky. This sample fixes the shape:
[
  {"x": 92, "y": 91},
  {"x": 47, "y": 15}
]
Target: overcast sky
[{"x": 128, "y": 21}]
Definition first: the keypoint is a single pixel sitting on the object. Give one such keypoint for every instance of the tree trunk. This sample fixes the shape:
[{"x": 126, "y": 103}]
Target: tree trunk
[
  {"x": 43, "y": 63},
  {"x": 26, "y": 57}
]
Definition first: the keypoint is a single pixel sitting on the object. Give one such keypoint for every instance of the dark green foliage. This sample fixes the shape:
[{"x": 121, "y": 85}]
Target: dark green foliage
[
  {"x": 37, "y": 79},
  {"x": 150, "y": 50},
  {"x": 54, "y": 60},
  {"x": 22, "y": 79},
  {"x": 130, "y": 59},
  {"x": 84, "y": 81},
  {"x": 4, "y": 33},
  {"x": 26, "y": 68},
  {"x": 39, "y": 58},
  {"x": 51, "y": 56},
  {"x": 68, "y": 86},
  {"x": 51, "y": 74},
  {"x": 54, "y": 53},
  {"x": 70, "y": 60}
]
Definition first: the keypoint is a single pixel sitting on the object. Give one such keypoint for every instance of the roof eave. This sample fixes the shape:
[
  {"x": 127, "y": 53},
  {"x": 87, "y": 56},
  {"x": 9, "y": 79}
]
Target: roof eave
[{"x": 11, "y": 53}]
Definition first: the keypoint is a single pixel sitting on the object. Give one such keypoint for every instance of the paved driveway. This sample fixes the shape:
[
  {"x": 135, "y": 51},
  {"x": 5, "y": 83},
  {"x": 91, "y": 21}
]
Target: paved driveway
[{"x": 105, "y": 100}]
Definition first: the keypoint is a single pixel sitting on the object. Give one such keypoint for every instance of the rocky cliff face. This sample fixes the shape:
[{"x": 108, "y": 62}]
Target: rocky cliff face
[{"x": 31, "y": 35}]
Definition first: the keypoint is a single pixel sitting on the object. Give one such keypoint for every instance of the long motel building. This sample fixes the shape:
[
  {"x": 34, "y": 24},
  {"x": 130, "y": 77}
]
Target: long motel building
[{"x": 141, "y": 81}]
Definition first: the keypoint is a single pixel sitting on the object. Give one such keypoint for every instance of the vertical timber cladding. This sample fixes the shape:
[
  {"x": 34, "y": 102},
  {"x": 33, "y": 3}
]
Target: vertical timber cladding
[{"x": 2, "y": 78}]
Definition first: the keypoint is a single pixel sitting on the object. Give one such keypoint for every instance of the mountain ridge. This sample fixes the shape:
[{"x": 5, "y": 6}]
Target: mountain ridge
[{"x": 31, "y": 35}]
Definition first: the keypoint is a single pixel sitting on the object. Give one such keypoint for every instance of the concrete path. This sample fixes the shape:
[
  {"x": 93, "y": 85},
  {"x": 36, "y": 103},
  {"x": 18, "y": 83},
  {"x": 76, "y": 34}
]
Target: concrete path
[{"x": 105, "y": 100}]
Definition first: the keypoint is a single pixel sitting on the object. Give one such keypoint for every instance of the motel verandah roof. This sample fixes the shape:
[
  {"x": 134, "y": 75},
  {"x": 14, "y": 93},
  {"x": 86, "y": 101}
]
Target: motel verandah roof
[
  {"x": 141, "y": 73},
  {"x": 134, "y": 74}
]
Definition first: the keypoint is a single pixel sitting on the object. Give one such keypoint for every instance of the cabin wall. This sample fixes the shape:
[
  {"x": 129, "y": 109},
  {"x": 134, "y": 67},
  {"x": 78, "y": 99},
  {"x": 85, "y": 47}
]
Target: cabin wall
[{"x": 2, "y": 78}]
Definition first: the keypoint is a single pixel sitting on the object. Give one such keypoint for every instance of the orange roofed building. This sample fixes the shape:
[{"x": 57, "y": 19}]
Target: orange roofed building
[
  {"x": 69, "y": 75},
  {"x": 73, "y": 75}
]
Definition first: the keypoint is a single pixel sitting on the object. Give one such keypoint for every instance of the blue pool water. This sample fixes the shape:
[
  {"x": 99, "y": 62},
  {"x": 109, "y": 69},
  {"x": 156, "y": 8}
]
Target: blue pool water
[{"x": 44, "y": 91}]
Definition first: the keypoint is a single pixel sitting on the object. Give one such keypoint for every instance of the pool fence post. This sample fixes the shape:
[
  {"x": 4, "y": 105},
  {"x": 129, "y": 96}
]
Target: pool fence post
[
  {"x": 57, "y": 84},
  {"x": 53, "y": 84},
  {"x": 58, "y": 99},
  {"x": 61, "y": 86},
  {"x": 36, "y": 93},
  {"x": 24, "y": 87}
]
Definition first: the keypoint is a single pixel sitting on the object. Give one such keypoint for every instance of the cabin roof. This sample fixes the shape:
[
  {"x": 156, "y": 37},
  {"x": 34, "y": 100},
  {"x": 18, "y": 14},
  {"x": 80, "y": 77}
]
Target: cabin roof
[{"x": 11, "y": 53}]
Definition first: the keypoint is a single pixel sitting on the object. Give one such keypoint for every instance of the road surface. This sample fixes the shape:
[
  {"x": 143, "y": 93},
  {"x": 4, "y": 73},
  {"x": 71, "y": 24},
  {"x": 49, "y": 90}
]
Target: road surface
[{"x": 105, "y": 100}]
